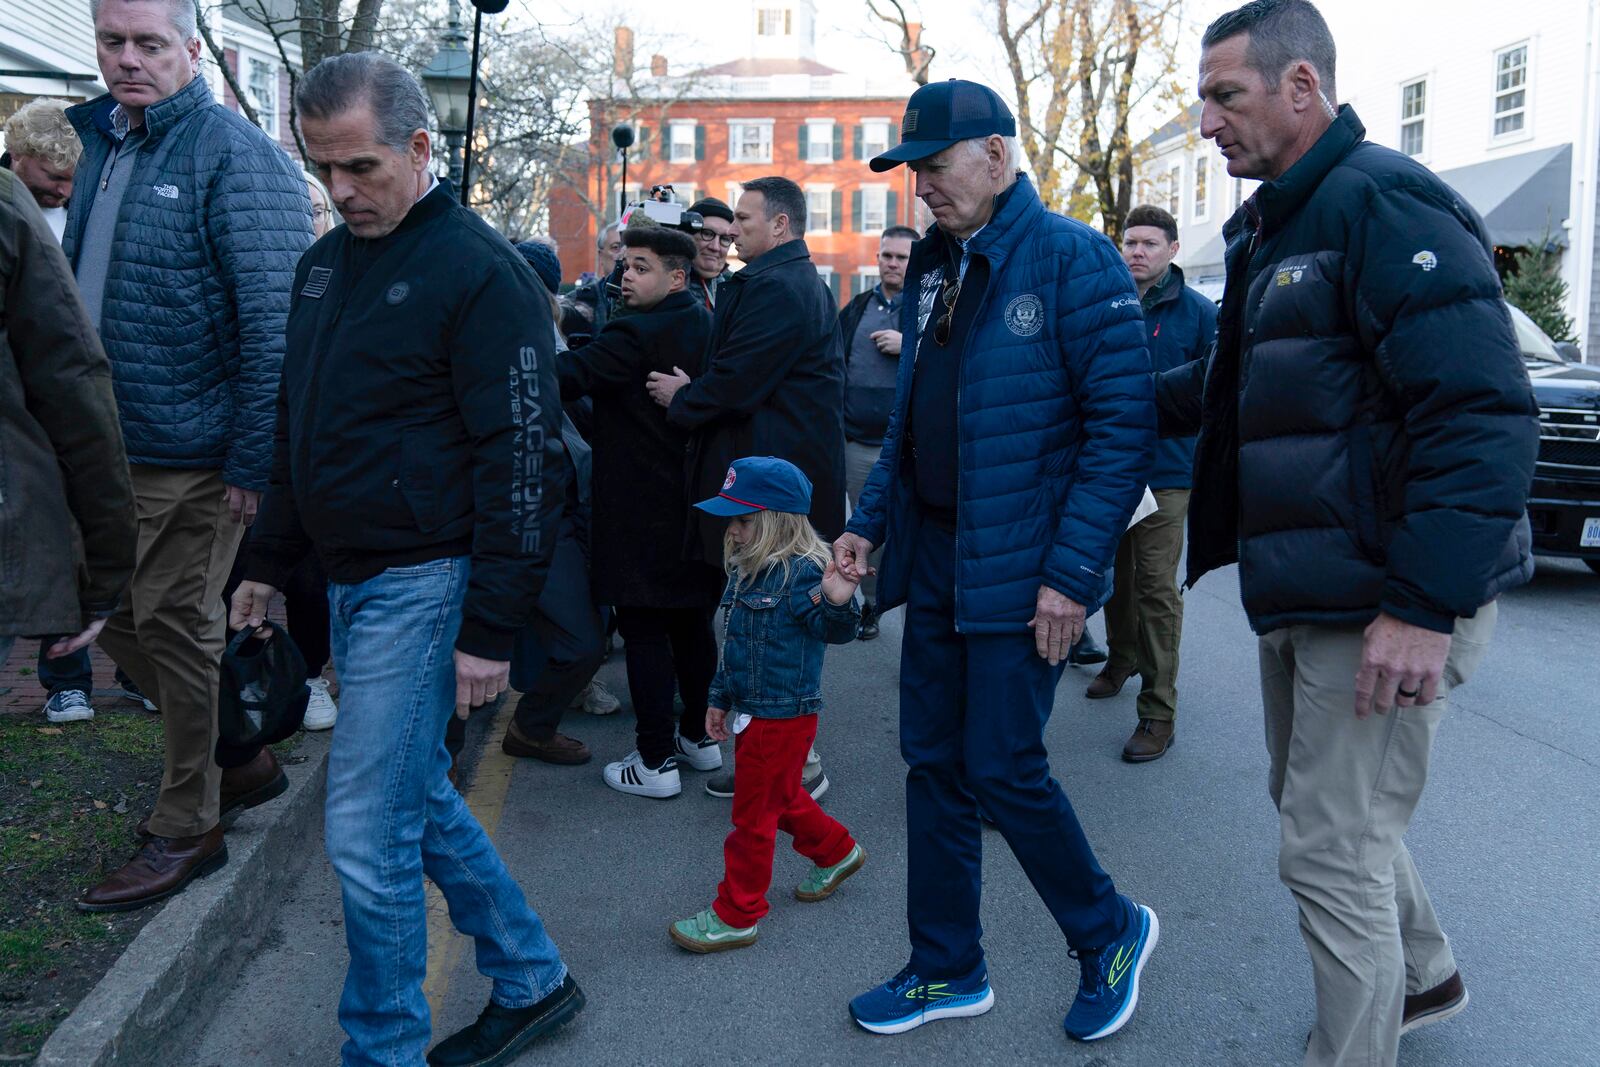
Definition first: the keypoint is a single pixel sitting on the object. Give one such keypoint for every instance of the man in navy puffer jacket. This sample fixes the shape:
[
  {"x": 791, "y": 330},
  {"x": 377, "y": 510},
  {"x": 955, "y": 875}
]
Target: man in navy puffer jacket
[
  {"x": 184, "y": 231},
  {"x": 1017, "y": 449}
]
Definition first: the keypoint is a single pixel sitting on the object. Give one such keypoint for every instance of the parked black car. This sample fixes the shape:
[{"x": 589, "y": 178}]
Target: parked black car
[{"x": 1564, "y": 507}]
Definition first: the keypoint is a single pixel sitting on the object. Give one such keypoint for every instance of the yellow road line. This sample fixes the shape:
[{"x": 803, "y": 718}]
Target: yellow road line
[{"x": 486, "y": 800}]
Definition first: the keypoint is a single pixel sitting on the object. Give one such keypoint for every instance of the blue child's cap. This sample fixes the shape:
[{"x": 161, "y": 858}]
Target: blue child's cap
[{"x": 761, "y": 483}]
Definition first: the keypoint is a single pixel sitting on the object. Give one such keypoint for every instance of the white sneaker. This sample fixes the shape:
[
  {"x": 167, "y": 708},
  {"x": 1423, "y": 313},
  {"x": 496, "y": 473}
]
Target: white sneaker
[
  {"x": 321, "y": 711},
  {"x": 69, "y": 705},
  {"x": 632, "y": 776},
  {"x": 701, "y": 755},
  {"x": 596, "y": 699}
]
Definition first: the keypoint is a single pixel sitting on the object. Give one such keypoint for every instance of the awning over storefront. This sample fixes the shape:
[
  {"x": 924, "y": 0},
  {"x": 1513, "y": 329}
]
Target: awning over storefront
[{"x": 1521, "y": 198}]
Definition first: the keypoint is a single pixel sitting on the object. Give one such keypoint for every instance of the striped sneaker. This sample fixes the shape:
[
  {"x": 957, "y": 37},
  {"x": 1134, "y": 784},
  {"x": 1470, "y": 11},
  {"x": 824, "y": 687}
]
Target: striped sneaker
[
  {"x": 906, "y": 1001},
  {"x": 1108, "y": 988},
  {"x": 821, "y": 882},
  {"x": 632, "y": 776},
  {"x": 708, "y": 933}
]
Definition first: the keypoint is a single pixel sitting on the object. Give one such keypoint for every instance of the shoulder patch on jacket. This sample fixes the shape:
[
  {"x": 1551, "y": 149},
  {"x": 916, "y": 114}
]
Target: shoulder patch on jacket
[{"x": 317, "y": 280}]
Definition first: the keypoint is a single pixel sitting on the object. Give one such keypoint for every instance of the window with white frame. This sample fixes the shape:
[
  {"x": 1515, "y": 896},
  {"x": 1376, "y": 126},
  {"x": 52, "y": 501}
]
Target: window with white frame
[
  {"x": 1174, "y": 190},
  {"x": 680, "y": 144},
  {"x": 819, "y": 140},
  {"x": 261, "y": 82},
  {"x": 1238, "y": 193},
  {"x": 866, "y": 280},
  {"x": 874, "y": 208},
  {"x": 773, "y": 22},
  {"x": 874, "y": 138},
  {"x": 735, "y": 191},
  {"x": 1413, "y": 116},
  {"x": 1202, "y": 187},
  {"x": 1511, "y": 90},
  {"x": 819, "y": 208},
  {"x": 750, "y": 141}
]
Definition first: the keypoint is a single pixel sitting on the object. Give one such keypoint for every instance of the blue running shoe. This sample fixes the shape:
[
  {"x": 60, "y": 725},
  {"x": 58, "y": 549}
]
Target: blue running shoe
[
  {"x": 1108, "y": 990},
  {"x": 905, "y": 1001}
]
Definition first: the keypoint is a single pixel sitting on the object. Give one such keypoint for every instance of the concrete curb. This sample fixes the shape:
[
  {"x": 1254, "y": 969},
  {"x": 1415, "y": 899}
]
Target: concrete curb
[{"x": 169, "y": 979}]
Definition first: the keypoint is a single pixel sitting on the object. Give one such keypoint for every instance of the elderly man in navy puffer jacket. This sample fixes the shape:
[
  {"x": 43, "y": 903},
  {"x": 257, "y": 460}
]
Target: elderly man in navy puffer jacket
[
  {"x": 184, "y": 231},
  {"x": 1019, "y": 443}
]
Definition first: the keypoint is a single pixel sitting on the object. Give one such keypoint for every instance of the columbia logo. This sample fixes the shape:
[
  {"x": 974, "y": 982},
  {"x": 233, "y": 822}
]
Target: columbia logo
[
  {"x": 1124, "y": 301},
  {"x": 168, "y": 191}
]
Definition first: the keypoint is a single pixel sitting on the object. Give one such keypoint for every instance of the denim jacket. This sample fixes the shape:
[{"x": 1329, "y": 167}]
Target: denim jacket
[{"x": 771, "y": 664}]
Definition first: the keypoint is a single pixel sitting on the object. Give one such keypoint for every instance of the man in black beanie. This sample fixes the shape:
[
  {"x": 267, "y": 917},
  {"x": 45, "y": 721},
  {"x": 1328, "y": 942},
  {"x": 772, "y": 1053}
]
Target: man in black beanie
[{"x": 710, "y": 268}]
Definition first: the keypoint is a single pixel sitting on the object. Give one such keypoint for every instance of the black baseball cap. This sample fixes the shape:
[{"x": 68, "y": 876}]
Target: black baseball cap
[{"x": 941, "y": 113}]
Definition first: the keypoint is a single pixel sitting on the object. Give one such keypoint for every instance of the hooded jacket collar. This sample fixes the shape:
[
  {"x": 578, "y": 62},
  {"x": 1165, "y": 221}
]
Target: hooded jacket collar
[{"x": 160, "y": 117}]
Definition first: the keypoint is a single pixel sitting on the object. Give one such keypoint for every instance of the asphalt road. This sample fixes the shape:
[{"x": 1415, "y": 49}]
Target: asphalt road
[{"x": 1506, "y": 838}]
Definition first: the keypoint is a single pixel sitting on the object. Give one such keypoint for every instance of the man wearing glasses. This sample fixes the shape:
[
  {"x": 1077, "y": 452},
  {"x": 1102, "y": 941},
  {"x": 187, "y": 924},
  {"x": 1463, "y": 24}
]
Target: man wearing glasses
[
  {"x": 710, "y": 267},
  {"x": 1019, "y": 442}
]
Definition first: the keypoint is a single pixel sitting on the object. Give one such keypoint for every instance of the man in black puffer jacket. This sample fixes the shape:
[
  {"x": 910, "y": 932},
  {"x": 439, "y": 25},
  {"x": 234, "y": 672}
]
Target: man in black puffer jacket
[{"x": 1367, "y": 438}]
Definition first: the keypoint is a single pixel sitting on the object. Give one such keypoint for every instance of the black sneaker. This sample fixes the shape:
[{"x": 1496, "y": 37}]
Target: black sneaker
[
  {"x": 868, "y": 628},
  {"x": 501, "y": 1033},
  {"x": 127, "y": 690}
]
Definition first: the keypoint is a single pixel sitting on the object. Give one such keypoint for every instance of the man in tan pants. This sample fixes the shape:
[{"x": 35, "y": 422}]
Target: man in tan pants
[
  {"x": 1367, "y": 436},
  {"x": 184, "y": 229}
]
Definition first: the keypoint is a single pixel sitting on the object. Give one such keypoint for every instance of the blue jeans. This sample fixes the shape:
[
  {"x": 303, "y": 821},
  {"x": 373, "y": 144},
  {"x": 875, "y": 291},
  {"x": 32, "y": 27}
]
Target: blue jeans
[
  {"x": 392, "y": 817},
  {"x": 68, "y": 672},
  {"x": 972, "y": 713}
]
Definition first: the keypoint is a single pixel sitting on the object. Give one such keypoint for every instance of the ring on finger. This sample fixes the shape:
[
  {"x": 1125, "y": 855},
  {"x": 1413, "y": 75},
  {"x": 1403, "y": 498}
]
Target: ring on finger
[{"x": 1409, "y": 694}]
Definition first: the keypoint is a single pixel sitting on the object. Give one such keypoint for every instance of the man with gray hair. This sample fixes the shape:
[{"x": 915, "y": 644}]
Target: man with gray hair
[
  {"x": 1366, "y": 444},
  {"x": 183, "y": 231},
  {"x": 1016, "y": 450},
  {"x": 419, "y": 454}
]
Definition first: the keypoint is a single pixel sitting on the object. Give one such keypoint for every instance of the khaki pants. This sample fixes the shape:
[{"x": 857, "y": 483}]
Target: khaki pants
[
  {"x": 859, "y": 459},
  {"x": 170, "y": 632},
  {"x": 1144, "y": 617},
  {"x": 1345, "y": 789}
]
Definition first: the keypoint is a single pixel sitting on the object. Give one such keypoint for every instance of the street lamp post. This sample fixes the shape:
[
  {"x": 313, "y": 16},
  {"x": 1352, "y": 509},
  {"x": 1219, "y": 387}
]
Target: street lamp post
[{"x": 448, "y": 78}]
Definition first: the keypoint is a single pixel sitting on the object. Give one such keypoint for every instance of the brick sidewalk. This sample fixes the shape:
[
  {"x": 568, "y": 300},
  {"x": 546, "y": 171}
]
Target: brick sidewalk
[{"x": 19, "y": 681}]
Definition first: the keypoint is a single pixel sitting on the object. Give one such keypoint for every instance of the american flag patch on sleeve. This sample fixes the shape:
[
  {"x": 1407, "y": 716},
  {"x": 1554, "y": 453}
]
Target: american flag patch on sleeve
[{"x": 816, "y": 595}]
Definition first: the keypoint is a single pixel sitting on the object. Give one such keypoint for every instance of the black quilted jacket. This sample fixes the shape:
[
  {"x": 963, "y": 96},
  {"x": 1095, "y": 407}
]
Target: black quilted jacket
[
  {"x": 214, "y": 220},
  {"x": 1367, "y": 430}
]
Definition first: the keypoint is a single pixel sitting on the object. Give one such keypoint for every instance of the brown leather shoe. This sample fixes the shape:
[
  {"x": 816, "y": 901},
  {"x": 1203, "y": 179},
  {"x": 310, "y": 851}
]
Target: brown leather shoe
[
  {"x": 260, "y": 780},
  {"x": 162, "y": 866},
  {"x": 1150, "y": 740},
  {"x": 1434, "y": 1005},
  {"x": 557, "y": 748},
  {"x": 1108, "y": 683}
]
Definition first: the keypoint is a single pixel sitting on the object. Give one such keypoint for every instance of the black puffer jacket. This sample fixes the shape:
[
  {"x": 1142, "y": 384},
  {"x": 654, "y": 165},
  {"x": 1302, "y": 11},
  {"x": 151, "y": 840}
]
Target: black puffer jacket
[{"x": 1367, "y": 430}]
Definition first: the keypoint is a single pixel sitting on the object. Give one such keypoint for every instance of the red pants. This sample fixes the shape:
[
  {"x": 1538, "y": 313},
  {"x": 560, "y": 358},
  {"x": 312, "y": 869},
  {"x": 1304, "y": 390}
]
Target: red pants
[{"x": 768, "y": 758}]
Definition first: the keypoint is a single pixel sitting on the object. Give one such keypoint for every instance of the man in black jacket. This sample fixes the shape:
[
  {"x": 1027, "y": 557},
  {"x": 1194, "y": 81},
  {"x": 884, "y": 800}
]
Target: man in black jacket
[
  {"x": 1367, "y": 438},
  {"x": 869, "y": 327},
  {"x": 664, "y": 604},
  {"x": 418, "y": 451},
  {"x": 774, "y": 377}
]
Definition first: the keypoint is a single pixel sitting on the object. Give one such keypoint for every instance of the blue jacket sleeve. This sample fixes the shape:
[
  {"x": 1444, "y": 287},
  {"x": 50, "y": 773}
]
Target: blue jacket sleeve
[
  {"x": 259, "y": 222},
  {"x": 1108, "y": 364}
]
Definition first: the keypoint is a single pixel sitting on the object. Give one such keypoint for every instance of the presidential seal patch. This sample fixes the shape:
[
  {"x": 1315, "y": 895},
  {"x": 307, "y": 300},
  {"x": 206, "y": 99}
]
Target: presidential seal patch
[{"x": 1025, "y": 315}]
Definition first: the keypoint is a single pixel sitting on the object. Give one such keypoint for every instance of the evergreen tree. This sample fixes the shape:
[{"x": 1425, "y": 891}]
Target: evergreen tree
[{"x": 1535, "y": 285}]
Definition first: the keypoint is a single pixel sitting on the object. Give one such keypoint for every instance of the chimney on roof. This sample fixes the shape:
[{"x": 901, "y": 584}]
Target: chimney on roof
[
  {"x": 918, "y": 55},
  {"x": 658, "y": 66},
  {"x": 622, "y": 52}
]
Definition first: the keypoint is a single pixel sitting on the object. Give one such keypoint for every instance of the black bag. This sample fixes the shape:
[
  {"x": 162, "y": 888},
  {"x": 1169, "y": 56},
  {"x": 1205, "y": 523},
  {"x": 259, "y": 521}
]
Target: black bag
[{"x": 262, "y": 698}]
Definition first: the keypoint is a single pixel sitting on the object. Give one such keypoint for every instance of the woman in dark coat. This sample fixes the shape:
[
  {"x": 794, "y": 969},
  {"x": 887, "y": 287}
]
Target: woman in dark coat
[{"x": 664, "y": 604}]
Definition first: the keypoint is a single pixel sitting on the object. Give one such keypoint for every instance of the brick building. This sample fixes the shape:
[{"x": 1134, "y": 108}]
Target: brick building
[{"x": 775, "y": 111}]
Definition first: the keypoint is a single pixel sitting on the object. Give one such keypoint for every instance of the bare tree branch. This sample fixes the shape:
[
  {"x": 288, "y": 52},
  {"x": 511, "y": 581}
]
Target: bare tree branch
[{"x": 246, "y": 107}]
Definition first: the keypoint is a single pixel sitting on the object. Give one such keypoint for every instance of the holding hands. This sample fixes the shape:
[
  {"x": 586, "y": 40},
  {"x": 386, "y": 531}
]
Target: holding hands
[
  {"x": 663, "y": 387},
  {"x": 838, "y": 586}
]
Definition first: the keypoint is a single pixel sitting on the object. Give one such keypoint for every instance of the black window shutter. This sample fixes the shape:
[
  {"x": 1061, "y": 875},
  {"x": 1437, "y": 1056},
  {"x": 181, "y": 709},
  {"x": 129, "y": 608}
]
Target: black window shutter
[
  {"x": 644, "y": 143},
  {"x": 838, "y": 142},
  {"x": 805, "y": 134},
  {"x": 838, "y": 211},
  {"x": 891, "y": 214},
  {"x": 833, "y": 284},
  {"x": 855, "y": 211},
  {"x": 857, "y": 141},
  {"x": 699, "y": 143}
]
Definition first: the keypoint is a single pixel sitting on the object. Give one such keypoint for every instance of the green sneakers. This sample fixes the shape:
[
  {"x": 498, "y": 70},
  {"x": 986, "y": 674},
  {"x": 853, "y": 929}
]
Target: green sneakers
[
  {"x": 822, "y": 881},
  {"x": 707, "y": 933}
]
